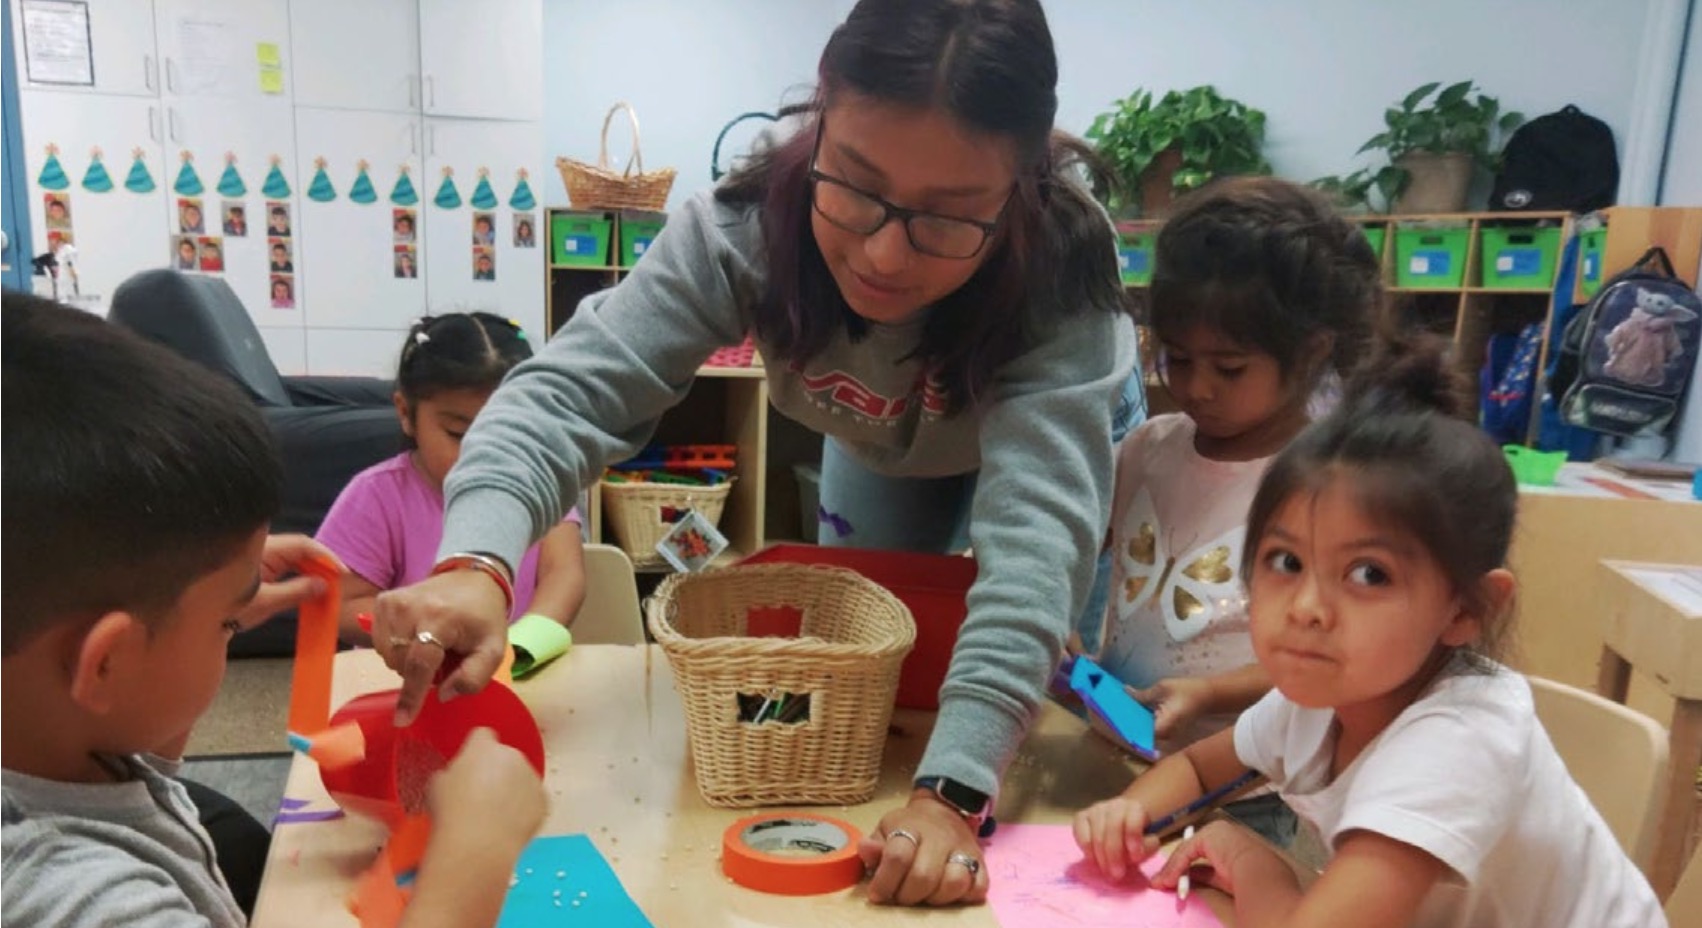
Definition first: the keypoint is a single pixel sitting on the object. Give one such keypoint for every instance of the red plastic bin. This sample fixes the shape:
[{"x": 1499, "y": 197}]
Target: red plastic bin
[{"x": 933, "y": 586}]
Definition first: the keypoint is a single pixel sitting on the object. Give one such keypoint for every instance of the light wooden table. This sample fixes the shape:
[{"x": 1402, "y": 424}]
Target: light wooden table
[
  {"x": 1653, "y": 624},
  {"x": 618, "y": 771}
]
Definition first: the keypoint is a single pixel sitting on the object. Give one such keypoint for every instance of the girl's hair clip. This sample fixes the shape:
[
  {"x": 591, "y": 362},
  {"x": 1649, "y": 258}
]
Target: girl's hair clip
[
  {"x": 421, "y": 338},
  {"x": 518, "y": 331}
]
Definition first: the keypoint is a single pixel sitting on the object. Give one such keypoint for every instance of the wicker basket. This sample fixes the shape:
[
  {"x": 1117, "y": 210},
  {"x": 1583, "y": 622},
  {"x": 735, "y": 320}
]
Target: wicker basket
[
  {"x": 597, "y": 186},
  {"x": 853, "y": 638},
  {"x": 634, "y": 512}
]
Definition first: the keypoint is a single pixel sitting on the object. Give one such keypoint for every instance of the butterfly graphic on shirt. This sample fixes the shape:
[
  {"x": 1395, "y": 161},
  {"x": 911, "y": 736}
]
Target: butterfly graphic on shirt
[{"x": 1187, "y": 587}]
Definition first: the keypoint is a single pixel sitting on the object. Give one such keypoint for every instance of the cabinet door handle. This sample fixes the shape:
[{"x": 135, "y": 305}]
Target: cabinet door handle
[
  {"x": 171, "y": 75},
  {"x": 411, "y": 95},
  {"x": 148, "y": 73},
  {"x": 413, "y": 139},
  {"x": 153, "y": 124},
  {"x": 431, "y": 141},
  {"x": 431, "y": 92},
  {"x": 171, "y": 118}
]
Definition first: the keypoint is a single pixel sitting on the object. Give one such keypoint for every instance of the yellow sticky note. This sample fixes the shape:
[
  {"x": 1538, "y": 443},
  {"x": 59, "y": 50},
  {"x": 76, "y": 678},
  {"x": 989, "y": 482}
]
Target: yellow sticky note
[
  {"x": 267, "y": 54},
  {"x": 271, "y": 81}
]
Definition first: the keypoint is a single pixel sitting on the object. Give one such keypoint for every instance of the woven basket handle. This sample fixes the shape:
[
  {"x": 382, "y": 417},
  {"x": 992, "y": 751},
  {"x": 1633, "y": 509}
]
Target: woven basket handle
[{"x": 636, "y": 158}]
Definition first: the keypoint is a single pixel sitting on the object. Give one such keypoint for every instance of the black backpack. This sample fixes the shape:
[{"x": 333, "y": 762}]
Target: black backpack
[
  {"x": 1626, "y": 359},
  {"x": 1562, "y": 161}
]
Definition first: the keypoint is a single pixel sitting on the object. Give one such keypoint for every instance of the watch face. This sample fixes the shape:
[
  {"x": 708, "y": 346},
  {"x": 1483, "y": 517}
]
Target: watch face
[{"x": 971, "y": 801}]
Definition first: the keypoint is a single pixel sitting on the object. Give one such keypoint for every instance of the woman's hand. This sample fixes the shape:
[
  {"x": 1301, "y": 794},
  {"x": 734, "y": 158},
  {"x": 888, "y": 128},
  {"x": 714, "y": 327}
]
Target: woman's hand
[
  {"x": 1113, "y": 835},
  {"x": 417, "y": 628},
  {"x": 919, "y": 856},
  {"x": 1177, "y": 702}
]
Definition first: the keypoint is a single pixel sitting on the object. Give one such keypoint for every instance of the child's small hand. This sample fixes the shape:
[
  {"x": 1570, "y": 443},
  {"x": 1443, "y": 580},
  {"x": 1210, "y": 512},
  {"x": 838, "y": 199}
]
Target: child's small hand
[
  {"x": 1113, "y": 835},
  {"x": 1224, "y": 847},
  {"x": 1176, "y": 702},
  {"x": 489, "y": 792},
  {"x": 281, "y": 586}
]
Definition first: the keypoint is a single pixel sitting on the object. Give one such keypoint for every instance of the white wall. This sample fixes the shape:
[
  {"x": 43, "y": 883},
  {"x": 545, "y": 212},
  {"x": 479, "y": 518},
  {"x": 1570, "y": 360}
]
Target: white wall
[
  {"x": 1682, "y": 186},
  {"x": 686, "y": 66},
  {"x": 1323, "y": 70}
]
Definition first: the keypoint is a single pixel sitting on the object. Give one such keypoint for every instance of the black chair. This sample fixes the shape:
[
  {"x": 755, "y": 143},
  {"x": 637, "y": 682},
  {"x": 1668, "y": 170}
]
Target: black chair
[{"x": 327, "y": 429}]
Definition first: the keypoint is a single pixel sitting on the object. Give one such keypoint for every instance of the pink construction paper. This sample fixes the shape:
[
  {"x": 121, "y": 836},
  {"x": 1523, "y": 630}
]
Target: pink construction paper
[{"x": 1039, "y": 877}]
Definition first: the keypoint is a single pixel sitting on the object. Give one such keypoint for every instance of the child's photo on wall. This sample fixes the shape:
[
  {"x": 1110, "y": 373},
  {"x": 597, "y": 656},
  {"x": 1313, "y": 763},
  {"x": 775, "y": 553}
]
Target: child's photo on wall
[
  {"x": 277, "y": 217},
  {"x": 189, "y": 218},
  {"x": 212, "y": 254},
  {"x": 185, "y": 256},
  {"x": 403, "y": 225},
  {"x": 58, "y": 207},
  {"x": 283, "y": 291},
  {"x": 484, "y": 263},
  {"x": 278, "y": 251},
  {"x": 235, "y": 219},
  {"x": 484, "y": 228},
  {"x": 406, "y": 265},
  {"x": 525, "y": 231}
]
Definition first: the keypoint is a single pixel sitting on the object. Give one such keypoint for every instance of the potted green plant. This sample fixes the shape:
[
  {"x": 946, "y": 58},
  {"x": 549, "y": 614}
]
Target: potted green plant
[
  {"x": 1174, "y": 144},
  {"x": 1433, "y": 146}
]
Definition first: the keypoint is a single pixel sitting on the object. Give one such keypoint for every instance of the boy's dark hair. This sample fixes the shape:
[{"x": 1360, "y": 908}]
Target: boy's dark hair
[
  {"x": 1416, "y": 465},
  {"x": 991, "y": 65},
  {"x": 459, "y": 351},
  {"x": 1271, "y": 265},
  {"x": 129, "y": 472}
]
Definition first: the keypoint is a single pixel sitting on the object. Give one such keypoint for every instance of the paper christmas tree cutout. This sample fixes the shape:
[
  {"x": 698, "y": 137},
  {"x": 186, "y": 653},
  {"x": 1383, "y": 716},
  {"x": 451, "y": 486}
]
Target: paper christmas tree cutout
[
  {"x": 139, "y": 180},
  {"x": 188, "y": 182},
  {"x": 362, "y": 191},
  {"x": 483, "y": 196},
  {"x": 403, "y": 194},
  {"x": 522, "y": 198},
  {"x": 230, "y": 182},
  {"x": 276, "y": 187},
  {"x": 447, "y": 196},
  {"x": 52, "y": 173},
  {"x": 96, "y": 178},
  {"x": 321, "y": 191}
]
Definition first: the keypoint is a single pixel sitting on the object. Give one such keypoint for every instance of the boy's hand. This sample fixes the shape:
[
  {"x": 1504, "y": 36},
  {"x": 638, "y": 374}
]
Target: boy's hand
[
  {"x": 1228, "y": 849},
  {"x": 281, "y": 587},
  {"x": 1176, "y": 702},
  {"x": 489, "y": 792},
  {"x": 1113, "y": 835}
]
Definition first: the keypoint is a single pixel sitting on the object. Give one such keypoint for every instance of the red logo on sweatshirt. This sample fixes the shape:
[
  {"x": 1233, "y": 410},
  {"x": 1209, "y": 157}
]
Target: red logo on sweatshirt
[{"x": 848, "y": 391}]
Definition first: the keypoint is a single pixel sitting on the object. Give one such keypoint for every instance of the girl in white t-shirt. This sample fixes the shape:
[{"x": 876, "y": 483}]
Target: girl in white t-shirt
[{"x": 1375, "y": 555}]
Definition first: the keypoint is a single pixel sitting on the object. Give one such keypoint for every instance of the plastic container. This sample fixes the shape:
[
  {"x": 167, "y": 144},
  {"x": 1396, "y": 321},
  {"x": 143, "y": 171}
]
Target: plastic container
[
  {"x": 1532, "y": 467},
  {"x": 1376, "y": 236},
  {"x": 1592, "y": 250},
  {"x": 1134, "y": 256},
  {"x": 1434, "y": 258},
  {"x": 1519, "y": 258},
  {"x": 935, "y": 587},
  {"x": 580, "y": 239},
  {"x": 789, "y": 719},
  {"x": 638, "y": 230}
]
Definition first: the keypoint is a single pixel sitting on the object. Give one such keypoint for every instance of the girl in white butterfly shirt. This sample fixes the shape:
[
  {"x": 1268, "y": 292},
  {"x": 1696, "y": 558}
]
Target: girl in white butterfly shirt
[
  {"x": 1376, "y": 552},
  {"x": 1260, "y": 291}
]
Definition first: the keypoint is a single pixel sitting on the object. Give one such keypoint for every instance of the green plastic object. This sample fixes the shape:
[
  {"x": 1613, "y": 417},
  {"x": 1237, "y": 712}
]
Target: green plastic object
[
  {"x": 1519, "y": 258},
  {"x": 1433, "y": 258},
  {"x": 1532, "y": 467},
  {"x": 638, "y": 230},
  {"x": 579, "y": 239},
  {"x": 1592, "y": 250},
  {"x": 1134, "y": 257},
  {"x": 1376, "y": 235}
]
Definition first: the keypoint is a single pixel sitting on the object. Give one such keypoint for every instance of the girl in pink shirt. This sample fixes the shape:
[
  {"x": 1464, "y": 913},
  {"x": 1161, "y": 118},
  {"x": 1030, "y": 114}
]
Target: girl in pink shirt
[{"x": 387, "y": 523}]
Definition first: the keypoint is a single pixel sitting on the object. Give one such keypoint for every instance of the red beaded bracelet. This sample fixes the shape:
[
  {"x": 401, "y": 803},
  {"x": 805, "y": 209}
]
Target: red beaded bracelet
[{"x": 488, "y": 564}]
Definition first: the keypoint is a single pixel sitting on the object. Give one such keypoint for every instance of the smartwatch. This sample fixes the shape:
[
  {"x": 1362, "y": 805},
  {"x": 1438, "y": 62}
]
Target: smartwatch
[{"x": 975, "y": 806}]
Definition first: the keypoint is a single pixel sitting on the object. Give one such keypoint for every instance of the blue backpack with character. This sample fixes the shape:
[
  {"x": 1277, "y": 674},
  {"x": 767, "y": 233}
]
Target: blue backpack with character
[{"x": 1626, "y": 359}]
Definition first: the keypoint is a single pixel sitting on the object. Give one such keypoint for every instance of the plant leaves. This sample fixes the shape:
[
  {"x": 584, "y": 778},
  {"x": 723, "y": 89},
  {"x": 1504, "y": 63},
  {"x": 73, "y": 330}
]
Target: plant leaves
[{"x": 1412, "y": 99}]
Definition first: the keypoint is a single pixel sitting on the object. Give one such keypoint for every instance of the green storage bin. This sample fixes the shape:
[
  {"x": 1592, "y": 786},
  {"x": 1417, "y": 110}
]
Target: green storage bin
[
  {"x": 580, "y": 239},
  {"x": 1375, "y": 235},
  {"x": 1434, "y": 258},
  {"x": 1519, "y": 257},
  {"x": 638, "y": 230},
  {"x": 1592, "y": 250},
  {"x": 1134, "y": 257}
]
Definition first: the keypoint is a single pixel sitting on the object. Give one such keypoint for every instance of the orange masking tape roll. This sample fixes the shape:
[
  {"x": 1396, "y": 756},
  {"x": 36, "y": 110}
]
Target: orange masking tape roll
[{"x": 791, "y": 854}]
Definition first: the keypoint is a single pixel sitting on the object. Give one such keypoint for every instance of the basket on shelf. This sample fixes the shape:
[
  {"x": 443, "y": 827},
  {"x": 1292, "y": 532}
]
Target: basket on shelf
[
  {"x": 640, "y": 513},
  {"x": 831, "y": 685},
  {"x": 598, "y": 186}
]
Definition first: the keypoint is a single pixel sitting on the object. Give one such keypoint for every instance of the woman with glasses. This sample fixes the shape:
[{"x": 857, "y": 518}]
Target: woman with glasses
[{"x": 933, "y": 290}]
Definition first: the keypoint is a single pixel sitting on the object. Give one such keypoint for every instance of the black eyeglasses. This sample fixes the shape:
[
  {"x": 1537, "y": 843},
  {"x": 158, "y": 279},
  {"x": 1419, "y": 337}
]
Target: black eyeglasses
[{"x": 863, "y": 213}]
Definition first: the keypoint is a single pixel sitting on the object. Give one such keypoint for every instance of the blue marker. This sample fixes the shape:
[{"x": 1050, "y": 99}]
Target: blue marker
[{"x": 1210, "y": 799}]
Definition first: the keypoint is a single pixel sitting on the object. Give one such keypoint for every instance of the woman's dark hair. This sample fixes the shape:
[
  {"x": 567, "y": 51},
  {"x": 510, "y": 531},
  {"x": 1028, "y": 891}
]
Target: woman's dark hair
[
  {"x": 989, "y": 64},
  {"x": 1416, "y": 464},
  {"x": 459, "y": 351},
  {"x": 1272, "y": 266}
]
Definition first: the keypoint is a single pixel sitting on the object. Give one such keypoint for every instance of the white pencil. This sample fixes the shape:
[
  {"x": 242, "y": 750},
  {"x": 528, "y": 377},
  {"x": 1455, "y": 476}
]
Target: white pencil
[{"x": 1182, "y": 884}]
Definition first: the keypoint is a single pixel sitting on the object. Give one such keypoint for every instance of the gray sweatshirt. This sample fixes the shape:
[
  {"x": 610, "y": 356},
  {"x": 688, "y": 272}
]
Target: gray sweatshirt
[
  {"x": 1041, "y": 441},
  {"x": 130, "y": 853}
]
